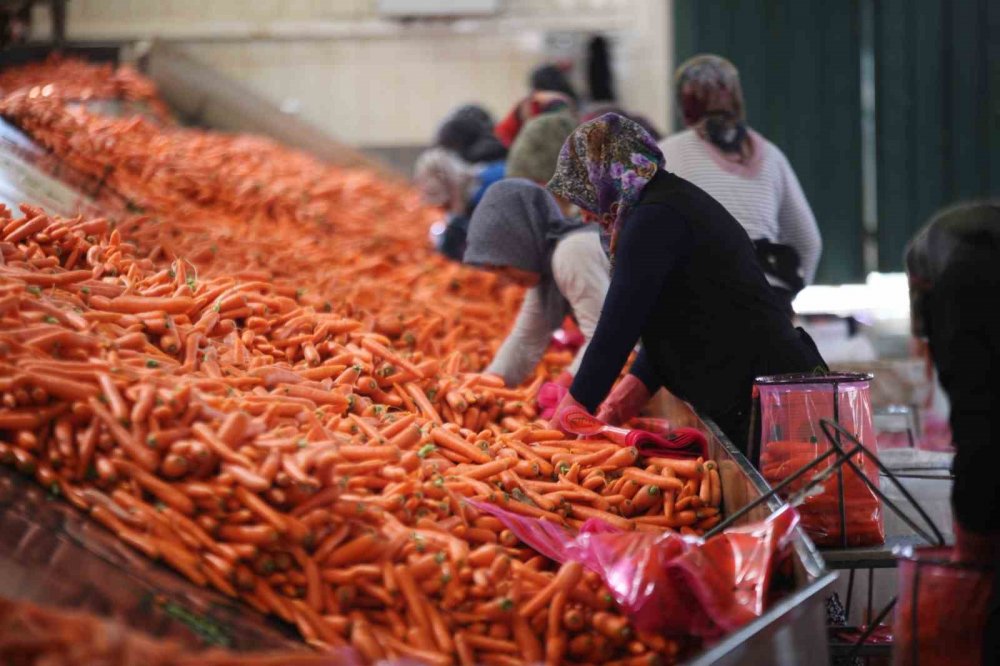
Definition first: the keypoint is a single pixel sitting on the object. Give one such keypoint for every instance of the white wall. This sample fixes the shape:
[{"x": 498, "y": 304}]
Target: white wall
[{"x": 376, "y": 82}]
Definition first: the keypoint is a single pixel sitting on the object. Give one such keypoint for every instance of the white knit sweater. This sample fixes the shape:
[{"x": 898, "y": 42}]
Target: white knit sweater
[
  {"x": 580, "y": 269},
  {"x": 765, "y": 197}
]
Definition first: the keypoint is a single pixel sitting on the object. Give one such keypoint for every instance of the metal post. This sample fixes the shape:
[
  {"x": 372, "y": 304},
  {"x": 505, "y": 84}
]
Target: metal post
[
  {"x": 840, "y": 471},
  {"x": 869, "y": 154}
]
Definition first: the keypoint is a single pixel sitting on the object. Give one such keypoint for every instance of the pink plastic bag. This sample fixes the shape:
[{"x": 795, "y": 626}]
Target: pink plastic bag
[
  {"x": 669, "y": 583},
  {"x": 791, "y": 437}
]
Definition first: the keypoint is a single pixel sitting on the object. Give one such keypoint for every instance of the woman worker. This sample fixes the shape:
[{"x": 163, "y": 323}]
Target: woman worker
[
  {"x": 744, "y": 172},
  {"x": 685, "y": 281},
  {"x": 518, "y": 230},
  {"x": 455, "y": 172},
  {"x": 954, "y": 271}
]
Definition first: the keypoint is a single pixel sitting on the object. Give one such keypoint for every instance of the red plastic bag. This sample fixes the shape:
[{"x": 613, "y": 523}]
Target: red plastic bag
[
  {"x": 942, "y": 609},
  {"x": 791, "y": 438},
  {"x": 669, "y": 583}
]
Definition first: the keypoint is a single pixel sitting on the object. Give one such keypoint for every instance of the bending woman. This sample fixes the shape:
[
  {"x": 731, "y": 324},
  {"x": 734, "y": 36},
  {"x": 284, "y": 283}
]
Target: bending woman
[
  {"x": 686, "y": 281},
  {"x": 518, "y": 230}
]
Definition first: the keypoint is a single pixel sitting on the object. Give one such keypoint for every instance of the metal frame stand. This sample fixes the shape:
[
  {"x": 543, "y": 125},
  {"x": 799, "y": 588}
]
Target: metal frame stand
[{"x": 850, "y": 559}]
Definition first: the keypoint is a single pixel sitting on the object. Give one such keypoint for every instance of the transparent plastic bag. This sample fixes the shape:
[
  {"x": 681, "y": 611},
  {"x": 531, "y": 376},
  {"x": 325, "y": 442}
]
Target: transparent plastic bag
[
  {"x": 791, "y": 438},
  {"x": 669, "y": 583}
]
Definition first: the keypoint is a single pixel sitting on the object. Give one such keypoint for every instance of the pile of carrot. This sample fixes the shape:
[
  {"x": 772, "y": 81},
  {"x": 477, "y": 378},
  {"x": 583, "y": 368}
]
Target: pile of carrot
[
  {"x": 81, "y": 81},
  {"x": 345, "y": 241},
  {"x": 261, "y": 376}
]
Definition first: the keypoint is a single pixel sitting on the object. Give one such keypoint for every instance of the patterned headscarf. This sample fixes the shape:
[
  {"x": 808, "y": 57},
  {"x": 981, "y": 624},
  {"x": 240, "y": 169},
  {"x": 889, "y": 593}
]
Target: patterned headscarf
[{"x": 604, "y": 166}]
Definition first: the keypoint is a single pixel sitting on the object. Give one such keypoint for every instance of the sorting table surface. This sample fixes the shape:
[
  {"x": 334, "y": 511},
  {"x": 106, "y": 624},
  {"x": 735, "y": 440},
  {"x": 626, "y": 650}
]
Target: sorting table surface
[{"x": 52, "y": 554}]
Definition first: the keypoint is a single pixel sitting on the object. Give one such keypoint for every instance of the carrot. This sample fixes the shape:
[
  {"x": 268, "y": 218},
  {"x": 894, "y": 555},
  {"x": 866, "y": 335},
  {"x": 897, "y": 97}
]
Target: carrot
[
  {"x": 144, "y": 456},
  {"x": 163, "y": 491},
  {"x": 140, "y": 304},
  {"x": 144, "y": 404},
  {"x": 218, "y": 446},
  {"x": 716, "y": 487},
  {"x": 454, "y": 443},
  {"x": 688, "y": 469},
  {"x": 380, "y": 350},
  {"x": 466, "y": 655},
  {"x": 113, "y": 397},
  {"x": 589, "y": 512},
  {"x": 568, "y": 576},
  {"x": 31, "y": 226},
  {"x": 364, "y": 547},
  {"x": 233, "y": 428},
  {"x": 47, "y": 279},
  {"x": 258, "y": 535},
  {"x": 669, "y": 502},
  {"x": 527, "y": 643},
  {"x": 490, "y": 644},
  {"x": 662, "y": 482},
  {"x": 614, "y": 627},
  {"x": 262, "y": 509},
  {"x": 544, "y": 436},
  {"x": 364, "y": 641},
  {"x": 413, "y": 598},
  {"x": 622, "y": 458}
]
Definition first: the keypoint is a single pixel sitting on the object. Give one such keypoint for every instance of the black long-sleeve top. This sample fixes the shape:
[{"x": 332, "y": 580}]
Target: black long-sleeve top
[
  {"x": 687, "y": 283},
  {"x": 963, "y": 325}
]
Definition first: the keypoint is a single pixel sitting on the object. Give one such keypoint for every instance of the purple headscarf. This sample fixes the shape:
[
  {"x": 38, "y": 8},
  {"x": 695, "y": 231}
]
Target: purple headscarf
[{"x": 604, "y": 166}]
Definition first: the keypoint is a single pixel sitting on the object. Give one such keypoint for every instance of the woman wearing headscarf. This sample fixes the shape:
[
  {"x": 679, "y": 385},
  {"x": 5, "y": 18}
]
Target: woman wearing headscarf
[
  {"x": 744, "y": 172},
  {"x": 953, "y": 266},
  {"x": 535, "y": 152},
  {"x": 518, "y": 230},
  {"x": 465, "y": 160},
  {"x": 686, "y": 282},
  {"x": 444, "y": 180},
  {"x": 552, "y": 78},
  {"x": 468, "y": 132}
]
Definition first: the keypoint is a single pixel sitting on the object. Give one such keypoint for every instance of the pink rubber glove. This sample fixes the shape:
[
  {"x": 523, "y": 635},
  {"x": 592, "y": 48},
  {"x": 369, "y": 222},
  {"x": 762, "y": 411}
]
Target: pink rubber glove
[
  {"x": 566, "y": 404},
  {"x": 625, "y": 401},
  {"x": 550, "y": 394}
]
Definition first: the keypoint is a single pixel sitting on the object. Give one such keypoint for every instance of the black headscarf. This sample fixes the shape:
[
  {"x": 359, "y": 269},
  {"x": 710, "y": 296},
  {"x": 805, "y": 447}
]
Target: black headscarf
[
  {"x": 468, "y": 131},
  {"x": 550, "y": 77}
]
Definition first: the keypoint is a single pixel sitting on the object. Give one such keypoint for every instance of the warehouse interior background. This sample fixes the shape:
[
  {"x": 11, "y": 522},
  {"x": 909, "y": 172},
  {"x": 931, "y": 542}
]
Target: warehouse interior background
[{"x": 887, "y": 109}]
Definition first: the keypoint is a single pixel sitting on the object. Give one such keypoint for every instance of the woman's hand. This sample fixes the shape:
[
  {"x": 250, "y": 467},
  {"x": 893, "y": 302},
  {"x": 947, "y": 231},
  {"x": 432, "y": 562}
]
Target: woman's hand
[{"x": 625, "y": 401}]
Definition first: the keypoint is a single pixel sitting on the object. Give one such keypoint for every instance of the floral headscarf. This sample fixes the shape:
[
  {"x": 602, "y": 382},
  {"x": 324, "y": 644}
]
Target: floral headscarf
[{"x": 604, "y": 166}]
